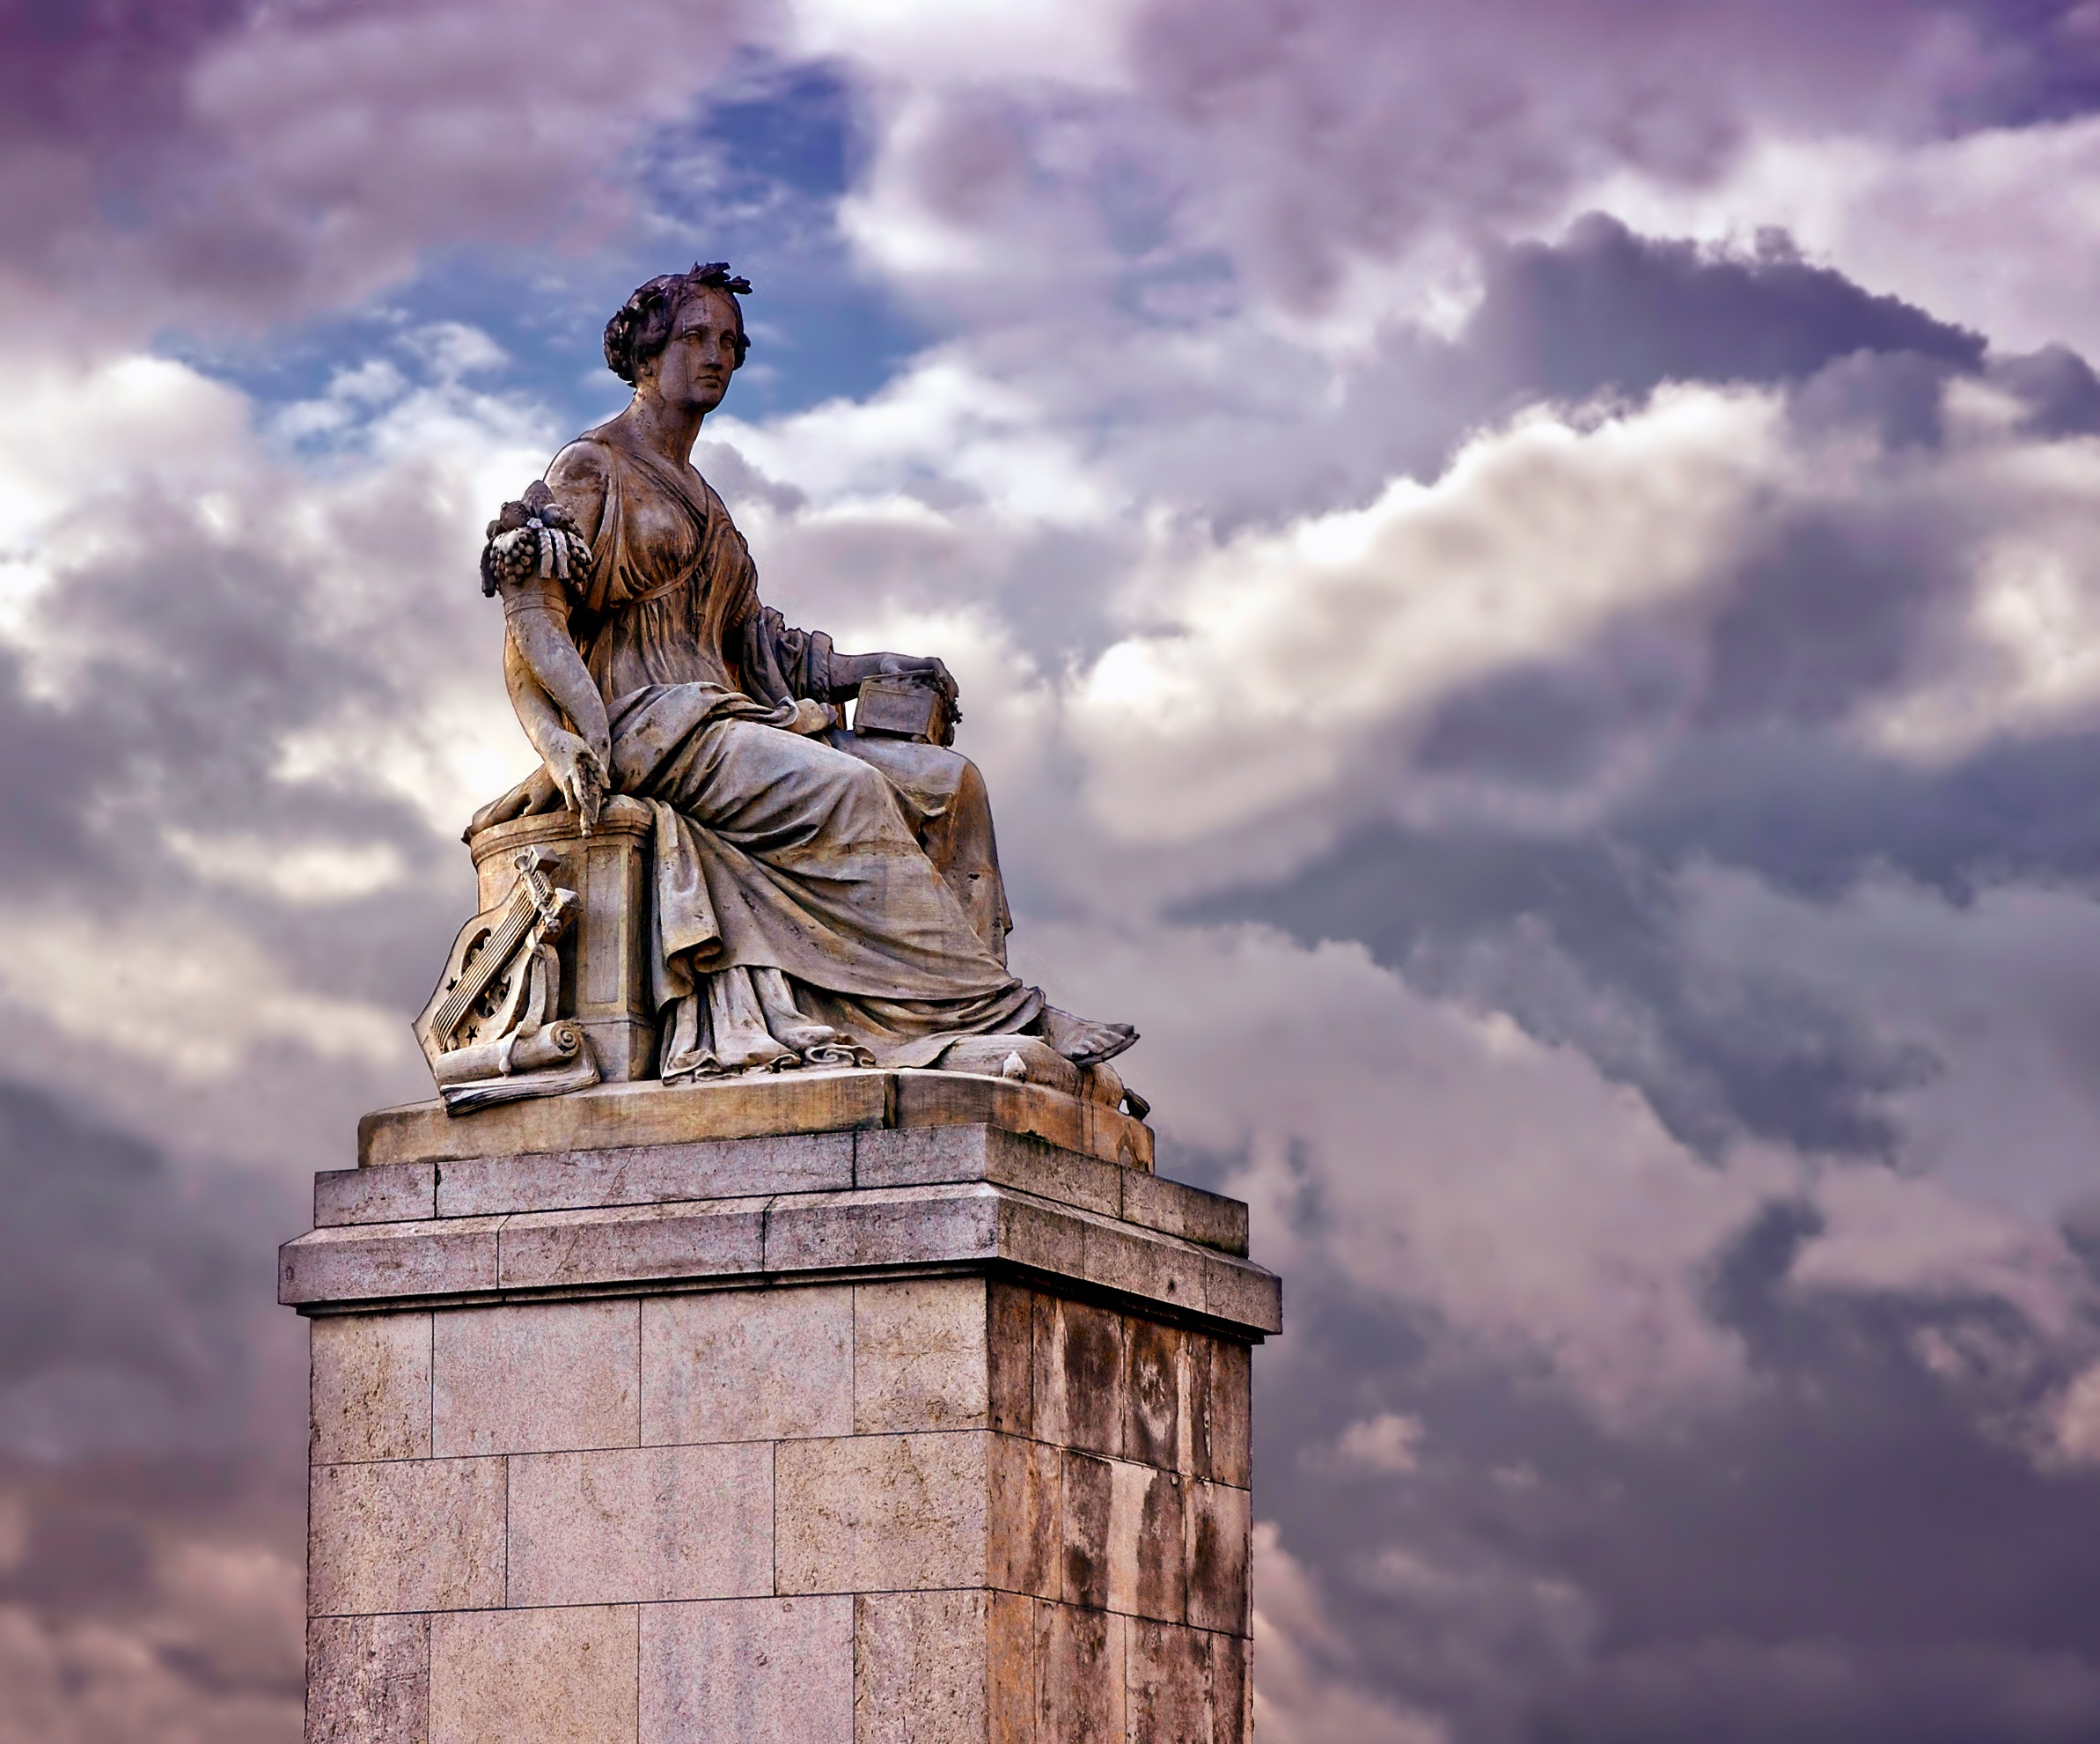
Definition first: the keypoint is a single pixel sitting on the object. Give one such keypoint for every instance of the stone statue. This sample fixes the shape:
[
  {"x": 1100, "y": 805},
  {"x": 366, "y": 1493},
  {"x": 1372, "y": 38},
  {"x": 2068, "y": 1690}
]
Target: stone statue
[{"x": 808, "y": 893}]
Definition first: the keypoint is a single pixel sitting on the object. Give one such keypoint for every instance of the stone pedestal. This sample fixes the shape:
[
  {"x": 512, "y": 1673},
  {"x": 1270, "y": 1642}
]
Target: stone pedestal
[{"x": 851, "y": 1407}]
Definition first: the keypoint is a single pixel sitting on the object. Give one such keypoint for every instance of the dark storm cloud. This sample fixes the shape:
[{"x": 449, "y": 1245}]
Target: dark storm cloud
[
  {"x": 1745, "y": 749},
  {"x": 216, "y": 161},
  {"x": 1579, "y": 941},
  {"x": 130, "y": 1300},
  {"x": 1847, "y": 1554},
  {"x": 1603, "y": 315},
  {"x": 1604, "y": 309}
]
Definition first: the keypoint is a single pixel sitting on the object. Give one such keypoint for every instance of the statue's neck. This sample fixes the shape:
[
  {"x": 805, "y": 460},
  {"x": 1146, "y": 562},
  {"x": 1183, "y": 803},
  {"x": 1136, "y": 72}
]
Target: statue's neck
[{"x": 668, "y": 431}]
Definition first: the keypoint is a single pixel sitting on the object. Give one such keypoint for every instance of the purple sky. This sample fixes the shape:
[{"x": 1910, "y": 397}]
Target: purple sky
[{"x": 1525, "y": 579}]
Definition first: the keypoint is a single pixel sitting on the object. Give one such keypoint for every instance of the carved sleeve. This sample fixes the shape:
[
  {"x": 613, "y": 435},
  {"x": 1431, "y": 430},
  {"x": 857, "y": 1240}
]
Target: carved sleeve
[{"x": 781, "y": 663}]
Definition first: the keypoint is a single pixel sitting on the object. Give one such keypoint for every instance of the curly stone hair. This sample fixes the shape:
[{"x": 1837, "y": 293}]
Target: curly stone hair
[{"x": 642, "y": 327}]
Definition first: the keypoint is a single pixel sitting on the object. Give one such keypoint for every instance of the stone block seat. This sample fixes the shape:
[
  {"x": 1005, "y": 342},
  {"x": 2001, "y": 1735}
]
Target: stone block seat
[{"x": 840, "y": 1407}]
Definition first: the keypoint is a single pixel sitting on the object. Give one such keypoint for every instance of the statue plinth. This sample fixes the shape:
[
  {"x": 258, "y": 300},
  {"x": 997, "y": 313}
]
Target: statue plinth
[{"x": 842, "y": 1407}]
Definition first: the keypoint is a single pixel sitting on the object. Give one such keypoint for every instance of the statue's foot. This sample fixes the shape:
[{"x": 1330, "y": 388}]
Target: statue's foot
[
  {"x": 1081, "y": 1039},
  {"x": 801, "y": 1037}
]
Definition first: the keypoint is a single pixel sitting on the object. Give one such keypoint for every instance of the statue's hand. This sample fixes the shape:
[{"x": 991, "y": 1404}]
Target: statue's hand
[
  {"x": 580, "y": 773},
  {"x": 810, "y": 718},
  {"x": 928, "y": 666}
]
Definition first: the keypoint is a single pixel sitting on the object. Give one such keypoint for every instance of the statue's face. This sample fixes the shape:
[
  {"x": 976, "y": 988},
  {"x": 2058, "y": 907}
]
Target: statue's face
[{"x": 692, "y": 371}]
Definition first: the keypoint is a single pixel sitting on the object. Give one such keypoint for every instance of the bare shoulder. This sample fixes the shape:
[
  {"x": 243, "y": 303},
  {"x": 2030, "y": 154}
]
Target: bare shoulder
[{"x": 584, "y": 465}]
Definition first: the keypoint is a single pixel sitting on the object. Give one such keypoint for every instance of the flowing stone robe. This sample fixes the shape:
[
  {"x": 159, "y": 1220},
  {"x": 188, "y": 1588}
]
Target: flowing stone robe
[{"x": 791, "y": 882}]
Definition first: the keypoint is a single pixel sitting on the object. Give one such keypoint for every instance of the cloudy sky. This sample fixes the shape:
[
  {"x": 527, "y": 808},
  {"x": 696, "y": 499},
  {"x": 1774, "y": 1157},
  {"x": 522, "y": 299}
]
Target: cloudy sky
[{"x": 1526, "y": 579}]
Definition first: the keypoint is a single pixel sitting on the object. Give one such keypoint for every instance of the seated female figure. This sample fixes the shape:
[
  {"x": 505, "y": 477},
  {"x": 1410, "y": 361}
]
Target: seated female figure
[{"x": 815, "y": 890}]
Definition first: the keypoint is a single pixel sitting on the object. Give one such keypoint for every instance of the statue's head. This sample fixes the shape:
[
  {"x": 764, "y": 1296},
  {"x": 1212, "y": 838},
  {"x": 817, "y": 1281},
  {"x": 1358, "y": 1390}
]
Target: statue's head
[{"x": 681, "y": 333}]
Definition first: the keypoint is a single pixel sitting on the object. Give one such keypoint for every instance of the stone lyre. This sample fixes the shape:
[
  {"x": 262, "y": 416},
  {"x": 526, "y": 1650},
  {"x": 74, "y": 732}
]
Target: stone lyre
[{"x": 487, "y": 1030}]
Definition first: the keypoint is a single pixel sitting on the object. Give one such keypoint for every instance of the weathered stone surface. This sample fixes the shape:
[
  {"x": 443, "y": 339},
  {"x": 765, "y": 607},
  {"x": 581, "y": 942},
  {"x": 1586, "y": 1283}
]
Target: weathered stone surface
[
  {"x": 372, "y": 1195},
  {"x": 381, "y": 1262},
  {"x": 537, "y": 1378},
  {"x": 1155, "y": 1398},
  {"x": 926, "y": 1156},
  {"x": 370, "y": 1378},
  {"x": 747, "y": 1366},
  {"x": 1010, "y": 1355},
  {"x": 368, "y": 1679},
  {"x": 1223, "y": 1427},
  {"x": 882, "y": 1226},
  {"x": 1081, "y": 1659},
  {"x": 1242, "y": 1293},
  {"x": 405, "y": 1535},
  {"x": 1024, "y": 1524},
  {"x": 1208, "y": 1219},
  {"x": 748, "y": 1671},
  {"x": 919, "y": 1668},
  {"x": 549, "y": 1677},
  {"x": 919, "y": 1358},
  {"x": 645, "y": 1174},
  {"x": 1220, "y": 1521},
  {"x": 1185, "y": 1687},
  {"x": 1078, "y": 1375},
  {"x": 559, "y": 1249},
  {"x": 1012, "y": 1681},
  {"x": 880, "y": 1512},
  {"x": 641, "y": 1523},
  {"x": 1143, "y": 1264},
  {"x": 1087, "y": 1501},
  {"x": 618, "y": 1117},
  {"x": 959, "y": 1098},
  {"x": 761, "y": 1239},
  {"x": 1148, "y": 1540}
]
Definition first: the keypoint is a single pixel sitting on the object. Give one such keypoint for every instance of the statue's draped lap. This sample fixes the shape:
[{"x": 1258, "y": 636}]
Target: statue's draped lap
[{"x": 793, "y": 882}]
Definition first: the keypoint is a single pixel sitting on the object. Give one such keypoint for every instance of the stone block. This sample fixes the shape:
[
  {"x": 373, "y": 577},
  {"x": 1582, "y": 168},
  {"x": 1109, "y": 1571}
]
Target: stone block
[
  {"x": 405, "y": 1535},
  {"x": 927, "y": 1155},
  {"x": 1223, "y": 1371},
  {"x": 1086, "y": 1502},
  {"x": 919, "y": 1668},
  {"x": 641, "y": 1524},
  {"x": 566, "y": 1676},
  {"x": 1220, "y": 1543},
  {"x": 399, "y": 1194},
  {"x": 1231, "y": 1689},
  {"x": 537, "y": 1378},
  {"x": 1081, "y": 1666},
  {"x": 918, "y": 1356},
  {"x": 884, "y": 1226},
  {"x": 371, "y": 1388},
  {"x": 1208, "y": 1219},
  {"x": 1186, "y": 1686},
  {"x": 1148, "y": 1537},
  {"x": 646, "y": 1175},
  {"x": 1024, "y": 1529},
  {"x": 711, "y": 1238},
  {"x": 737, "y": 1366},
  {"x": 1012, "y": 1682},
  {"x": 1077, "y": 1385},
  {"x": 1242, "y": 1292},
  {"x": 880, "y": 1512},
  {"x": 1010, "y": 1358},
  {"x": 615, "y": 1116},
  {"x": 373, "y": 1262},
  {"x": 748, "y": 1671},
  {"x": 1157, "y": 1429},
  {"x": 368, "y": 1679},
  {"x": 1156, "y": 1268}
]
